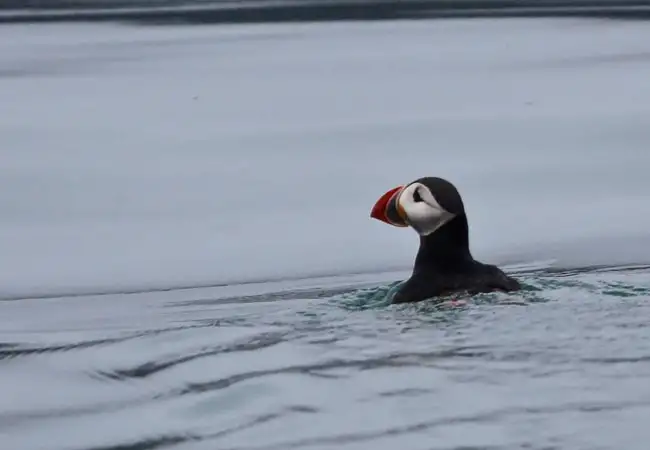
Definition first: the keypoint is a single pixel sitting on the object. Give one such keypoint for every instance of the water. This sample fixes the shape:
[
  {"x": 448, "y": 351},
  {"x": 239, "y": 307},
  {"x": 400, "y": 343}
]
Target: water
[{"x": 187, "y": 259}]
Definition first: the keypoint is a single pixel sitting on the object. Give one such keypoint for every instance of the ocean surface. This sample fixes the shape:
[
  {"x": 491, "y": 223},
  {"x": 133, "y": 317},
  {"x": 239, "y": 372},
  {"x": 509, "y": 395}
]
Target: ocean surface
[{"x": 187, "y": 260}]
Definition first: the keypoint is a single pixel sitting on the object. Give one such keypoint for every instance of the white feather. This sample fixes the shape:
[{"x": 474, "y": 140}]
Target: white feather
[{"x": 426, "y": 216}]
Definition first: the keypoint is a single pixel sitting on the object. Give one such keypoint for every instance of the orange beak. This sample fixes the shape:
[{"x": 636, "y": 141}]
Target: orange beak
[{"x": 388, "y": 210}]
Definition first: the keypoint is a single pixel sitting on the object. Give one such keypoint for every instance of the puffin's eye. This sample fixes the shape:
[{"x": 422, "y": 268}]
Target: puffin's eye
[{"x": 417, "y": 197}]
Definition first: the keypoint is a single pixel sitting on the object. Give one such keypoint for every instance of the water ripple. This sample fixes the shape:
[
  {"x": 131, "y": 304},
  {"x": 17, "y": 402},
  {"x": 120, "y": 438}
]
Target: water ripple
[
  {"x": 491, "y": 416},
  {"x": 153, "y": 367},
  {"x": 9, "y": 350},
  {"x": 213, "y": 373}
]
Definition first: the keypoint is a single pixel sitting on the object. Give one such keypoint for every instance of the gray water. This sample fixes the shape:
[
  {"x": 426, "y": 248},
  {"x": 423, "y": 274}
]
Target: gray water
[{"x": 187, "y": 259}]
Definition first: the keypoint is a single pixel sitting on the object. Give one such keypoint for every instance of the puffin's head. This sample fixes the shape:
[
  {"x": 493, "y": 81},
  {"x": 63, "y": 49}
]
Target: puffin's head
[{"x": 425, "y": 204}]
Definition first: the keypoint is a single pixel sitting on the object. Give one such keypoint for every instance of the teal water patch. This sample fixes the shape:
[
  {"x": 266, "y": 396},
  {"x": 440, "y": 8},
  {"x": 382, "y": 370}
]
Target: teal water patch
[
  {"x": 368, "y": 298},
  {"x": 618, "y": 289},
  {"x": 536, "y": 288},
  {"x": 381, "y": 297}
]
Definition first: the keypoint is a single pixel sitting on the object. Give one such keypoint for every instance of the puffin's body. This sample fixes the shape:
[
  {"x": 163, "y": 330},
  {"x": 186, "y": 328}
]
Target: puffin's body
[{"x": 444, "y": 264}]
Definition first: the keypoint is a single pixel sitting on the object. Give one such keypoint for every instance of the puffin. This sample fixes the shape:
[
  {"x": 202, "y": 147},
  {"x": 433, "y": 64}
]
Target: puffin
[{"x": 443, "y": 265}]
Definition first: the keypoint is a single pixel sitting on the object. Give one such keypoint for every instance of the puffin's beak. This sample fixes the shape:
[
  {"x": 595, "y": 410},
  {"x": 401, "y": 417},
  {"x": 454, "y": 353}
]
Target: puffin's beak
[{"x": 388, "y": 210}]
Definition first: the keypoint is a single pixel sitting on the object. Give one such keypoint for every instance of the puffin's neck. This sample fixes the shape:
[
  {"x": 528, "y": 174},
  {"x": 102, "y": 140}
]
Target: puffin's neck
[{"x": 446, "y": 249}]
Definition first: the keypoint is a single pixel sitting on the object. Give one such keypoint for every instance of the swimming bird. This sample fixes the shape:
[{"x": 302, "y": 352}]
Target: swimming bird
[{"x": 444, "y": 265}]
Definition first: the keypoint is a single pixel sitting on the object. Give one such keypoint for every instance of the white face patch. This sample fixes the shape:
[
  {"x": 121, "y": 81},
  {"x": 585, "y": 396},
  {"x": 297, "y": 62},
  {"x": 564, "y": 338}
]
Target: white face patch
[{"x": 426, "y": 215}]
